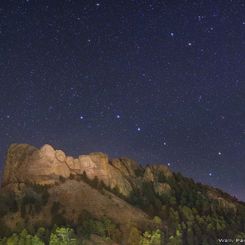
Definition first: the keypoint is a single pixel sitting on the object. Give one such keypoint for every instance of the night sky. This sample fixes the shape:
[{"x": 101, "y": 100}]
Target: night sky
[{"x": 156, "y": 81}]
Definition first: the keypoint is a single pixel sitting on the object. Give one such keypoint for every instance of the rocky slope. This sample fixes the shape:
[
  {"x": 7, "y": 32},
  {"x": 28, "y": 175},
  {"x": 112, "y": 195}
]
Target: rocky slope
[
  {"x": 25, "y": 163},
  {"x": 126, "y": 202}
]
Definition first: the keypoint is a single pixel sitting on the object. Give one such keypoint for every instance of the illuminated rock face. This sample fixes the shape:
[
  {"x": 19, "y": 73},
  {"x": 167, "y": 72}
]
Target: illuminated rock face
[{"x": 25, "y": 163}]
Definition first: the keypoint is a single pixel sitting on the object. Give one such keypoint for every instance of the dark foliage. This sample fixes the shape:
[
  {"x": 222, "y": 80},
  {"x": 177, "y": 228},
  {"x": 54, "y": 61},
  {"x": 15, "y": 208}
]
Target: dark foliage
[
  {"x": 8, "y": 203},
  {"x": 189, "y": 214}
]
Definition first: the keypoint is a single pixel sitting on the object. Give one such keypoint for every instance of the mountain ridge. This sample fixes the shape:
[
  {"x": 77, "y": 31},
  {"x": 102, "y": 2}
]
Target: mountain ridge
[
  {"x": 46, "y": 165},
  {"x": 45, "y": 187}
]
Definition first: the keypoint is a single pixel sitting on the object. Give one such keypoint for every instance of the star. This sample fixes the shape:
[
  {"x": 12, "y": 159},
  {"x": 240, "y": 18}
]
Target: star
[
  {"x": 199, "y": 98},
  {"x": 158, "y": 90}
]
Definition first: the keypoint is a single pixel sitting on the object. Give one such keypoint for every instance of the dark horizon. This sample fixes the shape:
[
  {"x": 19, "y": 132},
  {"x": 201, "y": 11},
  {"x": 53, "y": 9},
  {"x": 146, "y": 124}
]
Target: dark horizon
[{"x": 155, "y": 81}]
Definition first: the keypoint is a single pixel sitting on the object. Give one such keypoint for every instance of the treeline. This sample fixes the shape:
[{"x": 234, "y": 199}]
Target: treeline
[
  {"x": 87, "y": 225},
  {"x": 183, "y": 214},
  {"x": 189, "y": 215}
]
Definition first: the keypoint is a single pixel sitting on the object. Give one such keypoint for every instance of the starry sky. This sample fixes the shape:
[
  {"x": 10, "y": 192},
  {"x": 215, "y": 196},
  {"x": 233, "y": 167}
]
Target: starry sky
[{"x": 156, "y": 81}]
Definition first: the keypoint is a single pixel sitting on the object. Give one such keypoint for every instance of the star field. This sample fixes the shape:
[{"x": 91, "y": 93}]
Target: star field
[{"x": 157, "y": 81}]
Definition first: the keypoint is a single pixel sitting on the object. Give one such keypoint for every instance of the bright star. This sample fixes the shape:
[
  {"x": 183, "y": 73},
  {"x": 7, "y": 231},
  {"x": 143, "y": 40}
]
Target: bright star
[
  {"x": 189, "y": 44},
  {"x": 138, "y": 129},
  {"x": 172, "y": 34},
  {"x": 219, "y": 153},
  {"x": 210, "y": 174},
  {"x": 118, "y": 116},
  {"x": 81, "y": 117},
  {"x": 169, "y": 164}
]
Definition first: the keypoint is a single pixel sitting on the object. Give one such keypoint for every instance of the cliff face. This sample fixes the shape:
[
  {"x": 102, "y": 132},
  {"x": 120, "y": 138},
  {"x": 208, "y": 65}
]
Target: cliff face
[
  {"x": 25, "y": 163},
  {"x": 44, "y": 187}
]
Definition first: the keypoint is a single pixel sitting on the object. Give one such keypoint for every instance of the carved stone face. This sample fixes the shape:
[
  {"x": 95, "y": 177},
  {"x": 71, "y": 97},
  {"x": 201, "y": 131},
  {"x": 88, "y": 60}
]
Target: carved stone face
[{"x": 26, "y": 163}]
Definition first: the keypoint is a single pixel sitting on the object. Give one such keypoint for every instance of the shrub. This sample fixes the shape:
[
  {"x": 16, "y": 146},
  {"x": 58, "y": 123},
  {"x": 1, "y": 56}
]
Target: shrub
[
  {"x": 55, "y": 208},
  {"x": 62, "y": 179}
]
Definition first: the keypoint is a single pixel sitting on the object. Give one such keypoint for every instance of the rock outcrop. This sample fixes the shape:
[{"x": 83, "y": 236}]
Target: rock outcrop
[{"x": 25, "y": 163}]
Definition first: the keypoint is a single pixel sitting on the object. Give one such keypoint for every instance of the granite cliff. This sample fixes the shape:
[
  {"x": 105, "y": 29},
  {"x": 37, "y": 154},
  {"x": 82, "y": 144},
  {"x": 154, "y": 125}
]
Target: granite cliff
[{"x": 26, "y": 163}]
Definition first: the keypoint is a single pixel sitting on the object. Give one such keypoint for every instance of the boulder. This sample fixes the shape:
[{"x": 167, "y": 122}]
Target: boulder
[
  {"x": 161, "y": 188},
  {"x": 148, "y": 175},
  {"x": 161, "y": 168},
  {"x": 126, "y": 166}
]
